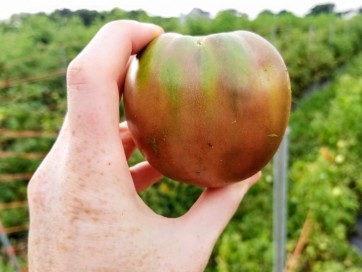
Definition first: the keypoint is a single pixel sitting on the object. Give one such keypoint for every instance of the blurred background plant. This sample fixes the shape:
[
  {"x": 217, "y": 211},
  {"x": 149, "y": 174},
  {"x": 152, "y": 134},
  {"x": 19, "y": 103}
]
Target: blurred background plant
[{"x": 323, "y": 52}]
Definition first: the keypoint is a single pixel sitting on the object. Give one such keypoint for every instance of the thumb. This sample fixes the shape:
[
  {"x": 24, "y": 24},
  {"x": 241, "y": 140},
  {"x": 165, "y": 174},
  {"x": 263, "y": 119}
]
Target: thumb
[
  {"x": 93, "y": 77},
  {"x": 215, "y": 207}
]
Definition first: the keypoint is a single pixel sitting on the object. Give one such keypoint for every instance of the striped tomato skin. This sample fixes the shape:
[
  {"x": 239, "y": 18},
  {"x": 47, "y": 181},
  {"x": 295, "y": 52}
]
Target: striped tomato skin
[{"x": 208, "y": 110}]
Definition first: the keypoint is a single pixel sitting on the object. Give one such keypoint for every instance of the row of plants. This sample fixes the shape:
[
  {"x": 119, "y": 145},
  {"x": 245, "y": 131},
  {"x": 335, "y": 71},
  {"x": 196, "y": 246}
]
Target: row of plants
[
  {"x": 313, "y": 46},
  {"x": 325, "y": 184},
  {"x": 325, "y": 173}
]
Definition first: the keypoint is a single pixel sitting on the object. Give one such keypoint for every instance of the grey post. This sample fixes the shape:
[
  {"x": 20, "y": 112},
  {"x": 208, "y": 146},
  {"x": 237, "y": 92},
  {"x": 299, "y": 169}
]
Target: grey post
[
  {"x": 280, "y": 173},
  {"x": 8, "y": 248}
]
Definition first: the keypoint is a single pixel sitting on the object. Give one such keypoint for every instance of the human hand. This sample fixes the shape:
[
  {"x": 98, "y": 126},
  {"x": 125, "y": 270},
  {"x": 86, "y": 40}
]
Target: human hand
[{"x": 85, "y": 213}]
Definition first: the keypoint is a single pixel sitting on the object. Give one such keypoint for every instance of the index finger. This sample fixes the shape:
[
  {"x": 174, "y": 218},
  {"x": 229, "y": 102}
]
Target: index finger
[{"x": 92, "y": 77}]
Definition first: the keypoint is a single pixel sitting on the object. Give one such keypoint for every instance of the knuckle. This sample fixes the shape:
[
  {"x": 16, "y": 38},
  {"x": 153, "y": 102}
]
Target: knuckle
[
  {"x": 35, "y": 191},
  {"x": 77, "y": 73}
]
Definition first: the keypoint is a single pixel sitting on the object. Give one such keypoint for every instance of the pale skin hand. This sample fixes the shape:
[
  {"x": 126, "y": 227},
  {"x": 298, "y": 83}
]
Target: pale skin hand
[{"x": 85, "y": 213}]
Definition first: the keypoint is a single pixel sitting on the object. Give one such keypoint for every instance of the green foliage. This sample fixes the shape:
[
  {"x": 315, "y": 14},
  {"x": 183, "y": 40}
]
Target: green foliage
[
  {"x": 325, "y": 175},
  {"x": 4, "y": 267},
  {"x": 324, "y": 8},
  {"x": 326, "y": 178}
]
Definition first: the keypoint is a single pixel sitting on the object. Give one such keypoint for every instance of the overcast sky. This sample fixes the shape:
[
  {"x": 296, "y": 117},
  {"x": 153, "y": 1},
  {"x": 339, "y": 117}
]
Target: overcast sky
[{"x": 172, "y": 8}]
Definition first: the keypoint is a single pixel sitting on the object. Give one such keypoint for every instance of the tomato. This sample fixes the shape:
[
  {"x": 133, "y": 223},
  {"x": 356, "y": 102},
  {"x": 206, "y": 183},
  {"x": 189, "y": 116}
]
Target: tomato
[{"x": 208, "y": 110}]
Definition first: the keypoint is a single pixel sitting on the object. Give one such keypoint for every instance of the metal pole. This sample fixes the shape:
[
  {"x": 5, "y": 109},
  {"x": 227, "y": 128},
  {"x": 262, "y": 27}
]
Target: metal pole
[
  {"x": 8, "y": 248},
  {"x": 280, "y": 172}
]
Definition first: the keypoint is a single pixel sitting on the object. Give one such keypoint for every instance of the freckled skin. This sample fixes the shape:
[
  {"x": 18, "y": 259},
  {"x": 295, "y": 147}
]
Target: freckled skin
[
  {"x": 84, "y": 224},
  {"x": 210, "y": 110}
]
